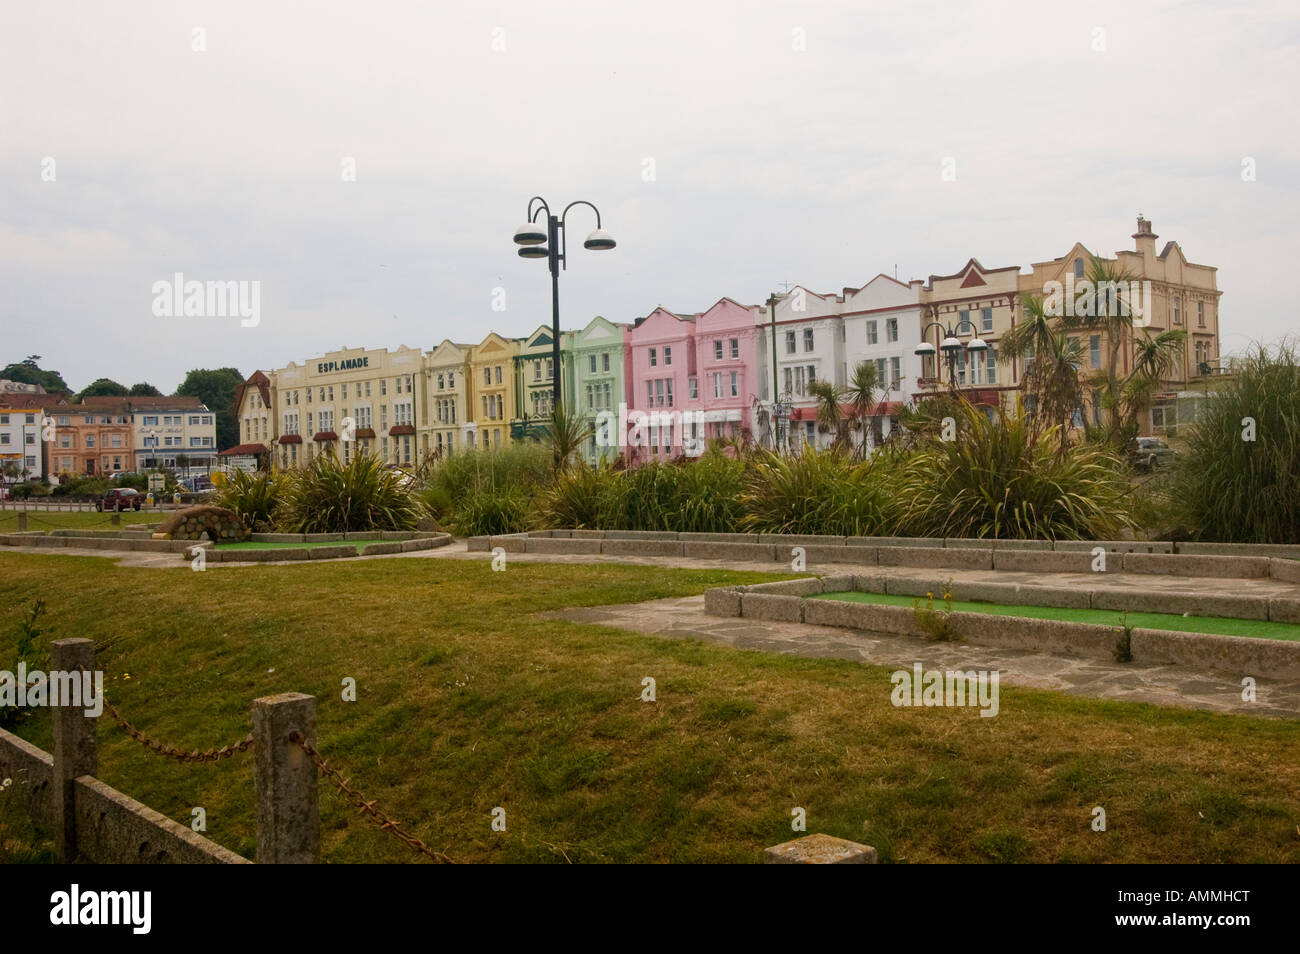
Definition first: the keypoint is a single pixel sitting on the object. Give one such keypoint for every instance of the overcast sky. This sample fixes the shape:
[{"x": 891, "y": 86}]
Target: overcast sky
[{"x": 724, "y": 159}]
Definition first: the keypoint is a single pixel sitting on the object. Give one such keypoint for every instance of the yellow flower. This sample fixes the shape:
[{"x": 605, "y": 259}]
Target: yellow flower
[
  {"x": 929, "y": 595},
  {"x": 126, "y": 675}
]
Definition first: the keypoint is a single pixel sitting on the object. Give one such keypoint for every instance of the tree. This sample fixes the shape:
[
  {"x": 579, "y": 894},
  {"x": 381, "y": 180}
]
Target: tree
[
  {"x": 861, "y": 395},
  {"x": 216, "y": 388},
  {"x": 28, "y": 371},
  {"x": 144, "y": 389},
  {"x": 829, "y": 412},
  {"x": 102, "y": 387},
  {"x": 565, "y": 434}
]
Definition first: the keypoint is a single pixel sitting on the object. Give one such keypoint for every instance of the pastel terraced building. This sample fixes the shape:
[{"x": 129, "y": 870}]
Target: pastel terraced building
[
  {"x": 661, "y": 374},
  {"x": 882, "y": 325},
  {"x": 533, "y": 380},
  {"x": 594, "y": 379},
  {"x": 448, "y": 411},
  {"x": 726, "y": 370},
  {"x": 806, "y": 344},
  {"x": 492, "y": 390}
]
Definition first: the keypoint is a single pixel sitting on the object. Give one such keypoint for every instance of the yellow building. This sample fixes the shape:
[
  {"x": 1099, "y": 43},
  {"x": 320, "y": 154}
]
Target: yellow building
[
  {"x": 492, "y": 390},
  {"x": 347, "y": 402},
  {"x": 1167, "y": 290},
  {"x": 448, "y": 416}
]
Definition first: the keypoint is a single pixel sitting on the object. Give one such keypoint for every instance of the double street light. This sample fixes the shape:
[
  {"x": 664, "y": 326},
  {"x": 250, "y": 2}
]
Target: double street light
[
  {"x": 951, "y": 346},
  {"x": 543, "y": 236}
]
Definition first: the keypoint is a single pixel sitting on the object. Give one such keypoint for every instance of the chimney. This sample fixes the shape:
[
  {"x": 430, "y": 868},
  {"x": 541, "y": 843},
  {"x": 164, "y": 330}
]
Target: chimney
[{"x": 1144, "y": 239}]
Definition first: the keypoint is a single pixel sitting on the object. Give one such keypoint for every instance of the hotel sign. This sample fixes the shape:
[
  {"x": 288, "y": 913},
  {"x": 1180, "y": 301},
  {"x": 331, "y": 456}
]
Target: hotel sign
[{"x": 347, "y": 364}]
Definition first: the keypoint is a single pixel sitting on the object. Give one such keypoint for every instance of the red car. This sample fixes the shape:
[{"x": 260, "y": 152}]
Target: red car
[{"x": 119, "y": 498}]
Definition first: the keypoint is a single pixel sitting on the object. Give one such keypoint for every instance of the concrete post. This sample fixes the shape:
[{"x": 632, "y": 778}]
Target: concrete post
[
  {"x": 288, "y": 822},
  {"x": 22, "y": 520},
  {"x": 74, "y": 746},
  {"x": 117, "y": 519}
]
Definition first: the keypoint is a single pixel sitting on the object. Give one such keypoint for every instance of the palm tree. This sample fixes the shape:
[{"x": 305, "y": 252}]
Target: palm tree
[
  {"x": 566, "y": 432},
  {"x": 860, "y": 394},
  {"x": 829, "y": 413}
]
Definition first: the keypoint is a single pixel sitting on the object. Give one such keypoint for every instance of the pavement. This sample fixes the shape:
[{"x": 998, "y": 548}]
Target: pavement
[{"x": 685, "y": 619}]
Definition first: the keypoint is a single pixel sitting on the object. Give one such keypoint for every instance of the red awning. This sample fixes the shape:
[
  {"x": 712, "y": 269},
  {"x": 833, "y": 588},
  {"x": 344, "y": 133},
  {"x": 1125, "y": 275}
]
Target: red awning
[
  {"x": 325, "y": 436},
  {"x": 399, "y": 430},
  {"x": 365, "y": 432},
  {"x": 290, "y": 439},
  {"x": 242, "y": 450}
]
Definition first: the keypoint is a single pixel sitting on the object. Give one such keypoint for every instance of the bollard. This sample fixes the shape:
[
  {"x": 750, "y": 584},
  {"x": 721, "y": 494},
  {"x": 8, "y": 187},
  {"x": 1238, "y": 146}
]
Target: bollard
[
  {"x": 117, "y": 519},
  {"x": 74, "y": 746},
  {"x": 288, "y": 820},
  {"x": 22, "y": 520}
]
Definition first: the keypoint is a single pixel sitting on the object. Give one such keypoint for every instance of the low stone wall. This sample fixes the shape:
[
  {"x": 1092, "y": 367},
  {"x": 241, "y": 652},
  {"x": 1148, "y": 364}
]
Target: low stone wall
[
  {"x": 1024, "y": 556},
  {"x": 788, "y": 601},
  {"x": 422, "y": 541}
]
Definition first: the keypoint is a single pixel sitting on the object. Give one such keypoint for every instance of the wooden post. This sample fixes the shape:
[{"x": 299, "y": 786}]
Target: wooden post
[
  {"x": 288, "y": 819},
  {"x": 74, "y": 745}
]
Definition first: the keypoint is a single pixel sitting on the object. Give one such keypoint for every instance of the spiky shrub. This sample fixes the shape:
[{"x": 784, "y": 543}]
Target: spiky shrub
[
  {"x": 524, "y": 469},
  {"x": 1230, "y": 487},
  {"x": 1001, "y": 479},
  {"x": 492, "y": 512},
  {"x": 814, "y": 491},
  {"x": 254, "y": 497},
  {"x": 330, "y": 497},
  {"x": 708, "y": 494},
  {"x": 574, "y": 499}
]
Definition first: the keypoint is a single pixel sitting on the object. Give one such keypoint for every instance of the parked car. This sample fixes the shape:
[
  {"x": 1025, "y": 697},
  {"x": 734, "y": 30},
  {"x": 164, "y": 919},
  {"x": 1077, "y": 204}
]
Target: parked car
[
  {"x": 1148, "y": 453},
  {"x": 119, "y": 499}
]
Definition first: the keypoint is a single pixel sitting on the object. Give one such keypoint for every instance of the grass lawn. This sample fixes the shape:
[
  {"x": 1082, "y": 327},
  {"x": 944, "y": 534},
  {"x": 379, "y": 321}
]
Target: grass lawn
[
  {"x": 1220, "y": 625},
  {"x": 253, "y": 545},
  {"x": 468, "y": 700},
  {"x": 76, "y": 520}
]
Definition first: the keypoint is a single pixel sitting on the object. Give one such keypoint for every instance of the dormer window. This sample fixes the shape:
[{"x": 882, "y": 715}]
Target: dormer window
[{"x": 1078, "y": 268}]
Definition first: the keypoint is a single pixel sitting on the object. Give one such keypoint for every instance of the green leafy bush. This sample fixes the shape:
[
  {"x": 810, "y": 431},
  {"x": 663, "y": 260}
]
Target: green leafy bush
[
  {"x": 815, "y": 491},
  {"x": 1229, "y": 487},
  {"x": 1000, "y": 480},
  {"x": 330, "y": 497},
  {"x": 253, "y": 496}
]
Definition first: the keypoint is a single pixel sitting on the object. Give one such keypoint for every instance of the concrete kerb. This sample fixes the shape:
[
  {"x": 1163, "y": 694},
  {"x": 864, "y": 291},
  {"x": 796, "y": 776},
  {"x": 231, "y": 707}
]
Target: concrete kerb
[
  {"x": 1280, "y": 568},
  {"x": 1235, "y": 654},
  {"x": 1170, "y": 564},
  {"x": 957, "y": 558}
]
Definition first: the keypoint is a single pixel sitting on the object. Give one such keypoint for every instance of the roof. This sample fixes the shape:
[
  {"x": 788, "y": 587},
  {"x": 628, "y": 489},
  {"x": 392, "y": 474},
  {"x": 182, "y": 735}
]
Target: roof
[
  {"x": 240, "y": 450},
  {"x": 259, "y": 380},
  {"x": 146, "y": 403}
]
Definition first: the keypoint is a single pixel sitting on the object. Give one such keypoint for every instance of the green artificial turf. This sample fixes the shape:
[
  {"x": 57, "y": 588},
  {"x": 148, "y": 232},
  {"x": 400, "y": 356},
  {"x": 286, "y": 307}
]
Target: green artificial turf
[{"x": 1217, "y": 625}]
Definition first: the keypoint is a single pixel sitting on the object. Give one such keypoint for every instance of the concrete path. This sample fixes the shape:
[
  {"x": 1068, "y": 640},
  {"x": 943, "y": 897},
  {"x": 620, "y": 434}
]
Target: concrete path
[{"x": 1132, "y": 682}]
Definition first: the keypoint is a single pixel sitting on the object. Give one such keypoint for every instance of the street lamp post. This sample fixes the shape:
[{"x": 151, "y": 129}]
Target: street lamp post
[
  {"x": 546, "y": 240},
  {"x": 951, "y": 346},
  {"x": 777, "y": 405}
]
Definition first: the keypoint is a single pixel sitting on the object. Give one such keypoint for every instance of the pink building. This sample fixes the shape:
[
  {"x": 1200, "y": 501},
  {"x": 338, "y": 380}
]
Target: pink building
[
  {"x": 660, "y": 371},
  {"x": 725, "y": 386}
]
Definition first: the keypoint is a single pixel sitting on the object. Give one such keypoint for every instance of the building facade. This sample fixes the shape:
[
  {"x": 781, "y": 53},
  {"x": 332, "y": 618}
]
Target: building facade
[
  {"x": 492, "y": 385},
  {"x": 177, "y": 432},
  {"x": 533, "y": 380},
  {"x": 662, "y": 372},
  {"x": 22, "y": 454},
  {"x": 725, "y": 383},
  {"x": 258, "y": 432},
  {"x": 882, "y": 326},
  {"x": 449, "y": 412},
  {"x": 595, "y": 382},
  {"x": 808, "y": 341},
  {"x": 348, "y": 402}
]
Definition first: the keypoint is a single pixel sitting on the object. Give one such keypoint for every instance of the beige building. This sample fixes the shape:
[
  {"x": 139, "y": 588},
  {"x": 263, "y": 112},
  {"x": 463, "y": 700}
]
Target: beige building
[
  {"x": 1171, "y": 292},
  {"x": 972, "y": 301},
  {"x": 254, "y": 404},
  {"x": 447, "y": 415},
  {"x": 347, "y": 402}
]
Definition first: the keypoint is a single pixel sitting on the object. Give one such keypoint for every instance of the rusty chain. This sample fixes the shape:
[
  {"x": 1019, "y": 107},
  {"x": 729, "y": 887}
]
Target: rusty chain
[
  {"x": 162, "y": 748},
  {"x": 365, "y": 806}
]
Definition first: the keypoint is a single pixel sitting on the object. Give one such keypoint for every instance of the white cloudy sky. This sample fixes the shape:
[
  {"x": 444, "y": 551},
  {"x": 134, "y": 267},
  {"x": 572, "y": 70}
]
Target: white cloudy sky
[{"x": 819, "y": 166}]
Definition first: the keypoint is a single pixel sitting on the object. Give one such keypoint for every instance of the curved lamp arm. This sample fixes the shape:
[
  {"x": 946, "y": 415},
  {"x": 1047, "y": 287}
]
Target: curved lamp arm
[{"x": 532, "y": 215}]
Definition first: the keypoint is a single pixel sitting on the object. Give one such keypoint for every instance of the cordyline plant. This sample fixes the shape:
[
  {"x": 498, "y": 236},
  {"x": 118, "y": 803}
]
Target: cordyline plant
[
  {"x": 253, "y": 496},
  {"x": 331, "y": 497},
  {"x": 1003, "y": 479}
]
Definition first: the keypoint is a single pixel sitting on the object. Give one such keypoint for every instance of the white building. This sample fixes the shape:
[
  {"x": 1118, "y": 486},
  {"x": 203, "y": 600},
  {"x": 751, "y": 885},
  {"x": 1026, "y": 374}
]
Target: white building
[
  {"x": 20, "y": 441},
  {"x": 809, "y": 346},
  {"x": 882, "y": 324},
  {"x": 178, "y": 432}
]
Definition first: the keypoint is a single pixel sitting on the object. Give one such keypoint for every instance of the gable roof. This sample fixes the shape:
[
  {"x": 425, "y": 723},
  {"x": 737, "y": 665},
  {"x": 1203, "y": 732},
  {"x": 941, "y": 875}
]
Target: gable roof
[{"x": 258, "y": 380}]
